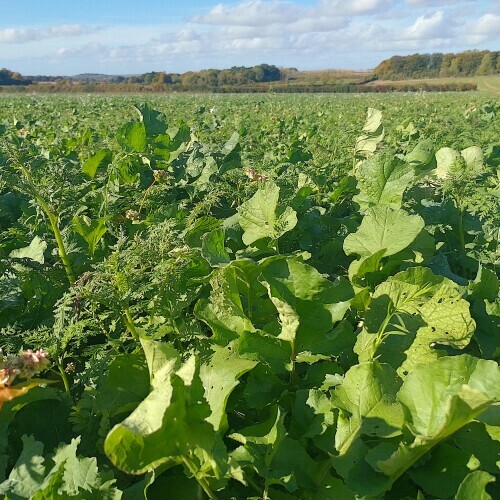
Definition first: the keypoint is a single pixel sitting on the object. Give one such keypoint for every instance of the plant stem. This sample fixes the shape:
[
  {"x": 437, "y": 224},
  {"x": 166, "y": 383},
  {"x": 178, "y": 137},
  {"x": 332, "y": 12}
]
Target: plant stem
[
  {"x": 53, "y": 219},
  {"x": 129, "y": 322},
  {"x": 461, "y": 233},
  {"x": 63, "y": 376},
  {"x": 201, "y": 481}
]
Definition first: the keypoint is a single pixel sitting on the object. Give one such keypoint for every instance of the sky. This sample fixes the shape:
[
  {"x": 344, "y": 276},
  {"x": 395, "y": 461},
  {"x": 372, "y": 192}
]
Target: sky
[{"x": 57, "y": 37}]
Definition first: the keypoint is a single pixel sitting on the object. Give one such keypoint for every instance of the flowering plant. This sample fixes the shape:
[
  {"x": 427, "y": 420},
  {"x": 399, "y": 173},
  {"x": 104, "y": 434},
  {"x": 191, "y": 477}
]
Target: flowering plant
[{"x": 25, "y": 365}]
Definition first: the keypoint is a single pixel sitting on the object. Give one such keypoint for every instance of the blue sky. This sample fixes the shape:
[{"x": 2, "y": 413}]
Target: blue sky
[{"x": 59, "y": 37}]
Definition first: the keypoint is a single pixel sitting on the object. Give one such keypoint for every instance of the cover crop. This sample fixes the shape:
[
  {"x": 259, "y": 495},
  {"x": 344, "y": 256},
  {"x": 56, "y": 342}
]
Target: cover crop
[{"x": 222, "y": 322}]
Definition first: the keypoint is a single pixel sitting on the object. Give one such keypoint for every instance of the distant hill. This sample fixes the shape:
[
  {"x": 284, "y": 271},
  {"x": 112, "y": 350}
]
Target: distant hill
[{"x": 469, "y": 63}]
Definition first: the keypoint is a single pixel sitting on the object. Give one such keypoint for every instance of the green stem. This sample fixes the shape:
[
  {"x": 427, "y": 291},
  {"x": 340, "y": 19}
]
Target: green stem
[
  {"x": 461, "y": 233},
  {"x": 54, "y": 226},
  {"x": 129, "y": 322},
  {"x": 201, "y": 481},
  {"x": 63, "y": 376},
  {"x": 292, "y": 358}
]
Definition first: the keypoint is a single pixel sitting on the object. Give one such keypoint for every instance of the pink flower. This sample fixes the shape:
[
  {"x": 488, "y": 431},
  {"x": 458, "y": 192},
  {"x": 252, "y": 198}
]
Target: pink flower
[{"x": 7, "y": 376}]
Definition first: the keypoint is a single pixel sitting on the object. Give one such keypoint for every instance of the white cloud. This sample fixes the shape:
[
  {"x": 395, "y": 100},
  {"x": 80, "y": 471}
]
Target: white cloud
[
  {"x": 354, "y": 7},
  {"x": 252, "y": 13},
  {"x": 429, "y": 27},
  {"x": 25, "y": 35},
  {"x": 489, "y": 24},
  {"x": 435, "y": 3}
]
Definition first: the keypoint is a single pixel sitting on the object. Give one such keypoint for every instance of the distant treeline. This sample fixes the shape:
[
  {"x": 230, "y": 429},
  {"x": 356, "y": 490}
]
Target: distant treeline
[
  {"x": 8, "y": 77},
  {"x": 193, "y": 80},
  {"x": 470, "y": 63}
]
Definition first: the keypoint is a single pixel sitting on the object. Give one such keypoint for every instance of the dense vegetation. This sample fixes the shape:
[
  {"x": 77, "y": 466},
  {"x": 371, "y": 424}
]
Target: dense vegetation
[
  {"x": 250, "y": 297},
  {"x": 470, "y": 63}
]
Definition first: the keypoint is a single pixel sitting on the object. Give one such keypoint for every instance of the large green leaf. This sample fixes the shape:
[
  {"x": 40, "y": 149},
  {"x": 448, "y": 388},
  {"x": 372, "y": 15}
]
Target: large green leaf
[
  {"x": 132, "y": 136},
  {"x": 474, "y": 486},
  {"x": 367, "y": 399},
  {"x": 260, "y": 216},
  {"x": 152, "y": 120},
  {"x": 213, "y": 248},
  {"x": 67, "y": 475},
  {"x": 308, "y": 305},
  {"x": 34, "y": 251},
  {"x": 440, "y": 398},
  {"x": 170, "y": 424},
  {"x": 410, "y": 314},
  {"x": 383, "y": 228},
  {"x": 220, "y": 376},
  {"x": 90, "y": 230},
  {"x": 373, "y": 133},
  {"x": 382, "y": 180},
  {"x": 99, "y": 159},
  {"x": 223, "y": 312}
]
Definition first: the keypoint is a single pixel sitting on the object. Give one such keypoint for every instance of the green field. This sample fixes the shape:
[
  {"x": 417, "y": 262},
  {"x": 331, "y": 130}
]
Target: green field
[
  {"x": 250, "y": 296},
  {"x": 486, "y": 84}
]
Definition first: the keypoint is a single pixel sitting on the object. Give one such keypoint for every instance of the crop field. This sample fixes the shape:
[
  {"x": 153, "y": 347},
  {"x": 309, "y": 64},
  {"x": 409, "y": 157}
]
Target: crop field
[{"x": 250, "y": 297}]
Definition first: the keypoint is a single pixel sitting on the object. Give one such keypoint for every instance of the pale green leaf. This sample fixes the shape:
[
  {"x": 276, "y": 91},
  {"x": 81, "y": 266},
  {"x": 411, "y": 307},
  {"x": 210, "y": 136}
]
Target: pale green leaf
[
  {"x": 383, "y": 228},
  {"x": 382, "y": 180},
  {"x": 473, "y": 487},
  {"x": 373, "y": 133},
  {"x": 367, "y": 398},
  {"x": 219, "y": 376},
  {"x": 260, "y": 216},
  {"x": 34, "y": 251}
]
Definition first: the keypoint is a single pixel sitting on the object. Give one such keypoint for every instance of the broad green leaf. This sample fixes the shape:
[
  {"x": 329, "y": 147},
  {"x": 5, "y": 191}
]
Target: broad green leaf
[
  {"x": 473, "y": 157},
  {"x": 373, "y": 133},
  {"x": 475, "y": 440},
  {"x": 223, "y": 312},
  {"x": 382, "y": 180},
  {"x": 422, "y": 156},
  {"x": 367, "y": 400},
  {"x": 308, "y": 305},
  {"x": 213, "y": 247},
  {"x": 267, "y": 349},
  {"x": 441, "y": 474},
  {"x": 151, "y": 119},
  {"x": 231, "y": 157},
  {"x": 485, "y": 286},
  {"x": 132, "y": 136},
  {"x": 65, "y": 476},
  {"x": 28, "y": 472},
  {"x": 474, "y": 486},
  {"x": 219, "y": 376},
  {"x": 409, "y": 314},
  {"x": 383, "y": 228},
  {"x": 34, "y": 251},
  {"x": 170, "y": 423},
  {"x": 268, "y": 432},
  {"x": 260, "y": 216},
  {"x": 100, "y": 159},
  {"x": 333, "y": 488},
  {"x": 90, "y": 230},
  {"x": 443, "y": 395},
  {"x": 439, "y": 398},
  {"x": 445, "y": 158}
]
